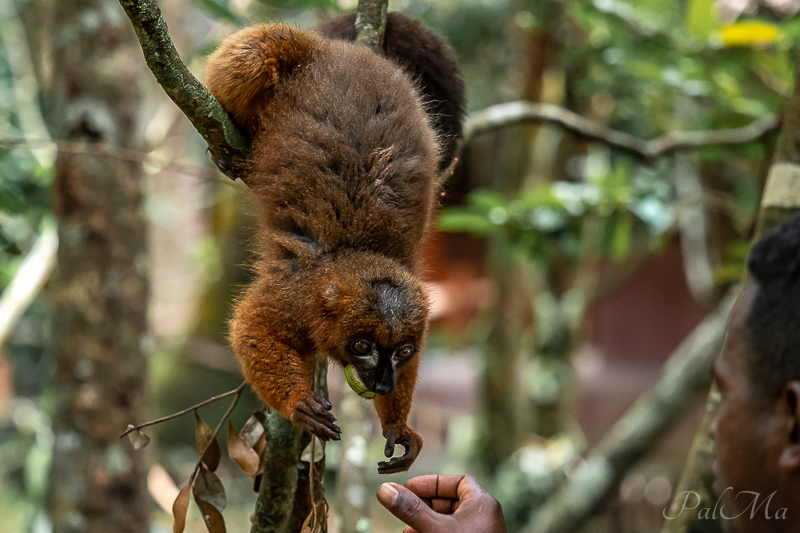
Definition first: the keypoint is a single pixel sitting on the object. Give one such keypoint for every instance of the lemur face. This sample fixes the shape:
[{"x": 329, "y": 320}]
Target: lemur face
[
  {"x": 378, "y": 365},
  {"x": 377, "y": 324}
]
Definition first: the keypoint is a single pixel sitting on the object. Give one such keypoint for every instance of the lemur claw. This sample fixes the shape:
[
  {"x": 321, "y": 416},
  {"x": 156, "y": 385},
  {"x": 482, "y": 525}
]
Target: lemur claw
[
  {"x": 407, "y": 438},
  {"x": 312, "y": 413}
]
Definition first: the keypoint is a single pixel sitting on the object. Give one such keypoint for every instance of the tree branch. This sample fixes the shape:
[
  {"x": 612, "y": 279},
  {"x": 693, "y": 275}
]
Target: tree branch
[
  {"x": 28, "y": 280},
  {"x": 371, "y": 23},
  {"x": 685, "y": 374},
  {"x": 227, "y": 144},
  {"x": 520, "y": 112}
]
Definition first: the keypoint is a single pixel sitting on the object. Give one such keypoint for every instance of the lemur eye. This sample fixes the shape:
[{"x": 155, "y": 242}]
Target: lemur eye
[
  {"x": 360, "y": 347},
  {"x": 405, "y": 351}
]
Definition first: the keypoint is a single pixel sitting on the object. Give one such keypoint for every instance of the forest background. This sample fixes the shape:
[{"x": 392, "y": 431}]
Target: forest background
[{"x": 573, "y": 257}]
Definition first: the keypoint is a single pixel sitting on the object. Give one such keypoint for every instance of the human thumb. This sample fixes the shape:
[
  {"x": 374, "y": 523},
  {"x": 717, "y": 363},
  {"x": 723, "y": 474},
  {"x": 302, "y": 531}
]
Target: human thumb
[{"x": 407, "y": 506}]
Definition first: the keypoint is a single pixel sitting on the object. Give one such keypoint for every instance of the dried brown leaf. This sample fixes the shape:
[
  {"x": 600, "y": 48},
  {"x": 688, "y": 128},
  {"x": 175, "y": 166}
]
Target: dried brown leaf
[
  {"x": 253, "y": 429},
  {"x": 211, "y": 516},
  {"x": 209, "y": 495},
  {"x": 314, "y": 522},
  {"x": 260, "y": 448},
  {"x": 138, "y": 439},
  {"x": 208, "y": 488},
  {"x": 242, "y": 454},
  {"x": 322, "y": 523},
  {"x": 180, "y": 507},
  {"x": 260, "y": 445},
  {"x": 315, "y": 449},
  {"x": 202, "y": 434},
  {"x": 310, "y": 519}
]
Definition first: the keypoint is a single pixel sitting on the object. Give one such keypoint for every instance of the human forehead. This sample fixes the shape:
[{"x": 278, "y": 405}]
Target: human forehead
[{"x": 731, "y": 361}]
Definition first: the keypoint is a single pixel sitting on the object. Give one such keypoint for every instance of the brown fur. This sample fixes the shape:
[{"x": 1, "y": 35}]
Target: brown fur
[
  {"x": 344, "y": 164},
  {"x": 429, "y": 62}
]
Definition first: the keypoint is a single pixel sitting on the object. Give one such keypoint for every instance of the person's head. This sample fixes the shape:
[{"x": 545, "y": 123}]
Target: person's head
[{"x": 757, "y": 429}]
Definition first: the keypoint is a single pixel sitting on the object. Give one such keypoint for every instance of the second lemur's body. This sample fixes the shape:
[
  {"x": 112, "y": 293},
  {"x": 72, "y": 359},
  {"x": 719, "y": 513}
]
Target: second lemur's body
[{"x": 344, "y": 165}]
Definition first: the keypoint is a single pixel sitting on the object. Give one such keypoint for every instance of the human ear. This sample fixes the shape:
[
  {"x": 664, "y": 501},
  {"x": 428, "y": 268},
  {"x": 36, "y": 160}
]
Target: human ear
[{"x": 790, "y": 405}]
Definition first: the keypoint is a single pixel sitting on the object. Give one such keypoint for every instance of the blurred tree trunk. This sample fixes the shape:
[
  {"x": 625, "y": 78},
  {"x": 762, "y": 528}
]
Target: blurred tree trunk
[
  {"x": 354, "y": 497},
  {"x": 779, "y": 203},
  {"x": 97, "y": 481},
  {"x": 501, "y": 388}
]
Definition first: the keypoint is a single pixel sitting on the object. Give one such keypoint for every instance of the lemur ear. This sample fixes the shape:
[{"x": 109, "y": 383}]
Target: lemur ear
[{"x": 250, "y": 63}]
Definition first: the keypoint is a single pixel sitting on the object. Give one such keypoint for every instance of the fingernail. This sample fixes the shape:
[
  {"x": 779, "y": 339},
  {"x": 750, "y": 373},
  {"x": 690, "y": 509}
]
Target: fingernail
[{"x": 387, "y": 494}]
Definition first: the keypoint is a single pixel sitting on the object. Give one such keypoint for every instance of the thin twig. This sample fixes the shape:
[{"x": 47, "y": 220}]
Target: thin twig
[
  {"x": 519, "y": 112},
  {"x": 115, "y": 152},
  {"x": 237, "y": 391}
]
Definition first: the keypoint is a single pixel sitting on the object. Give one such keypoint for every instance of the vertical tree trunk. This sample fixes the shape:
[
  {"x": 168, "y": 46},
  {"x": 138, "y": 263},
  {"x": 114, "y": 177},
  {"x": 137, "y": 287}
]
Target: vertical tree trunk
[
  {"x": 290, "y": 489},
  {"x": 500, "y": 383},
  {"x": 779, "y": 203},
  {"x": 97, "y": 482}
]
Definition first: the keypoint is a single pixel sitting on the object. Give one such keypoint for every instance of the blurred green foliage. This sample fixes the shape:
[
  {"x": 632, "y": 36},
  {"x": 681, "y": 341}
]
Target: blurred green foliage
[
  {"x": 646, "y": 67},
  {"x": 673, "y": 69},
  {"x": 550, "y": 218},
  {"x": 24, "y": 181}
]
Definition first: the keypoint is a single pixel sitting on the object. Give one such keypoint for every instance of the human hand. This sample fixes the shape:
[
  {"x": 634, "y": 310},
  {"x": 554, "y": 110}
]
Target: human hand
[{"x": 443, "y": 504}]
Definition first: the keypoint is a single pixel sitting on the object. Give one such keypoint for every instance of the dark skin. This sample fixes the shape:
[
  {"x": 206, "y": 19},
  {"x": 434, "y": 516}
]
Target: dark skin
[
  {"x": 757, "y": 440},
  {"x": 443, "y": 504}
]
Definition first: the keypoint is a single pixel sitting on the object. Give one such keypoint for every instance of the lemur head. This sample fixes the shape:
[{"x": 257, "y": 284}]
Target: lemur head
[{"x": 373, "y": 316}]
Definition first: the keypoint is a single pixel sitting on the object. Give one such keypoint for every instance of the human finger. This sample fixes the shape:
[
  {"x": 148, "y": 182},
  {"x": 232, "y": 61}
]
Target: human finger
[
  {"x": 468, "y": 489},
  {"x": 435, "y": 485},
  {"x": 408, "y": 507},
  {"x": 443, "y": 505}
]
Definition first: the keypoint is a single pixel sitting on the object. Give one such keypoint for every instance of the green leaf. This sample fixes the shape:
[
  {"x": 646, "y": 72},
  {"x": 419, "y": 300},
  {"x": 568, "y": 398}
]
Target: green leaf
[
  {"x": 460, "y": 219},
  {"x": 618, "y": 234},
  {"x": 8, "y": 245},
  {"x": 702, "y": 19},
  {"x": 486, "y": 199},
  {"x": 11, "y": 202}
]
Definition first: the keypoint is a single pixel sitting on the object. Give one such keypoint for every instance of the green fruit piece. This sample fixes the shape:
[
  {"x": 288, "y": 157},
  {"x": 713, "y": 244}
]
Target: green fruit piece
[{"x": 351, "y": 375}]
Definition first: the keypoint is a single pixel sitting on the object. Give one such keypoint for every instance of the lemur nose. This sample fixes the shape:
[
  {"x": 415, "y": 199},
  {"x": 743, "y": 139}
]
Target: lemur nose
[{"x": 383, "y": 388}]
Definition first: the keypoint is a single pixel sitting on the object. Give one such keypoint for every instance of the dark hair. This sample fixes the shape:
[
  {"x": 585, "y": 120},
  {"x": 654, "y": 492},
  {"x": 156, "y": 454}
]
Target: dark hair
[{"x": 773, "y": 324}]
